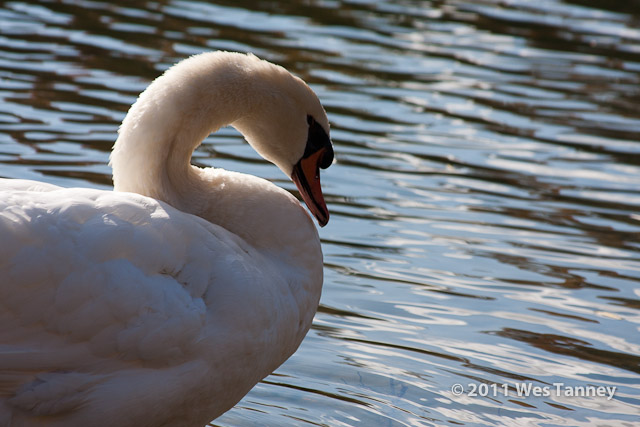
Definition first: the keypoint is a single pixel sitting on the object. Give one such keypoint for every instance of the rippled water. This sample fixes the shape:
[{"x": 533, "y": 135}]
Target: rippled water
[{"x": 485, "y": 203}]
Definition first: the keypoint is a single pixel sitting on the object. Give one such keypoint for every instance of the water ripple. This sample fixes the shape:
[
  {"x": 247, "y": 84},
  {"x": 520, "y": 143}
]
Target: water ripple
[{"x": 484, "y": 202}]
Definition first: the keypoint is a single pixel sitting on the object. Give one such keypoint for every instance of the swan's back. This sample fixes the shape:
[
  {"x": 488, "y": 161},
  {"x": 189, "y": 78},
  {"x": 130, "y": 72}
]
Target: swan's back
[{"x": 115, "y": 303}]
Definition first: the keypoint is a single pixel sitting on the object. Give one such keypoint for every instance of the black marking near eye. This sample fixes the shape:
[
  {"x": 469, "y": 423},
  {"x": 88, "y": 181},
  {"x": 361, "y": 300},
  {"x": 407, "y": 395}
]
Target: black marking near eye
[{"x": 318, "y": 139}]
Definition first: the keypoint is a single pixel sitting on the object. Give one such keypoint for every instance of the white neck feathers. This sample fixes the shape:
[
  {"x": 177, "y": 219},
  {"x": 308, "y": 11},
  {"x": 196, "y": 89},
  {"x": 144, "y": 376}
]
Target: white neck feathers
[
  {"x": 152, "y": 154},
  {"x": 171, "y": 118}
]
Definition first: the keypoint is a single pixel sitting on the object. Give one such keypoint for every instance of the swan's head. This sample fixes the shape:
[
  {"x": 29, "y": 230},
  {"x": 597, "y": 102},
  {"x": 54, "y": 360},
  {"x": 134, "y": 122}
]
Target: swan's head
[{"x": 286, "y": 124}]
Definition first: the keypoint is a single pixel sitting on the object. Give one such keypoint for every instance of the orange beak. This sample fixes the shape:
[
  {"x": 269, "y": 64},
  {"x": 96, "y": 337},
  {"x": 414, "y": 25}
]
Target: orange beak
[{"x": 306, "y": 176}]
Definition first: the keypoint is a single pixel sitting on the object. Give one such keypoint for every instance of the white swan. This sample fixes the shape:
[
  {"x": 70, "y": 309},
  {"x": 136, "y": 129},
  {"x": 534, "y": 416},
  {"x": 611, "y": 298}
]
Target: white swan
[{"x": 164, "y": 302}]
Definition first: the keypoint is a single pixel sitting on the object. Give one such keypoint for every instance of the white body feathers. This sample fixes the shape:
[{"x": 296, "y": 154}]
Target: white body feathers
[{"x": 163, "y": 307}]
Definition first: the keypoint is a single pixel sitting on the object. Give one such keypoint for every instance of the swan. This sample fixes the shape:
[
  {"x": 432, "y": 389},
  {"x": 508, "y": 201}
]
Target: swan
[{"x": 164, "y": 302}]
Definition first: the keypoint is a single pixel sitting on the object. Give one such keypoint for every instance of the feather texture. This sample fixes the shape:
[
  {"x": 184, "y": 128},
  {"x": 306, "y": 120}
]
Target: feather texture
[{"x": 117, "y": 308}]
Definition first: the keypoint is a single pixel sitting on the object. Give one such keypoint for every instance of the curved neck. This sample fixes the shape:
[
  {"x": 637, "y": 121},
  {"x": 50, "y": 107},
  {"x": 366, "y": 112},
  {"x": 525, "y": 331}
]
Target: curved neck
[{"x": 152, "y": 155}]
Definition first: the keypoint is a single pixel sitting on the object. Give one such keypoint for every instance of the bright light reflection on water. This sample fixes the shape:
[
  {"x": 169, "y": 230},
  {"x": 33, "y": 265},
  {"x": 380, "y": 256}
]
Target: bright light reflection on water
[{"x": 484, "y": 202}]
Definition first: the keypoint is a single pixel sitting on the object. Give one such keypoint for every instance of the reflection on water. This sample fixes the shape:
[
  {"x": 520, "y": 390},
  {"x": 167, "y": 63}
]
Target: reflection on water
[{"x": 485, "y": 206}]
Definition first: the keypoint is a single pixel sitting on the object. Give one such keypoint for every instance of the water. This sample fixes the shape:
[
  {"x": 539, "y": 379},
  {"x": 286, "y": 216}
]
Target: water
[{"x": 485, "y": 203}]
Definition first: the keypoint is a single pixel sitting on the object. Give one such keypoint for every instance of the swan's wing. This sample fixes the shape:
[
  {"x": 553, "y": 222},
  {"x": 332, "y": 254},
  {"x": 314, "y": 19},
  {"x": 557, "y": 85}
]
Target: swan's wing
[{"x": 93, "y": 278}]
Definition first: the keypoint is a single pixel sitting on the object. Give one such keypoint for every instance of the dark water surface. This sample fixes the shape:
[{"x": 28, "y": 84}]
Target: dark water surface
[{"x": 485, "y": 202}]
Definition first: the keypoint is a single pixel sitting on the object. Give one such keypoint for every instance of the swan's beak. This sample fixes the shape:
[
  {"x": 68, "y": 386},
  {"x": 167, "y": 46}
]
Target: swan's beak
[{"x": 306, "y": 176}]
